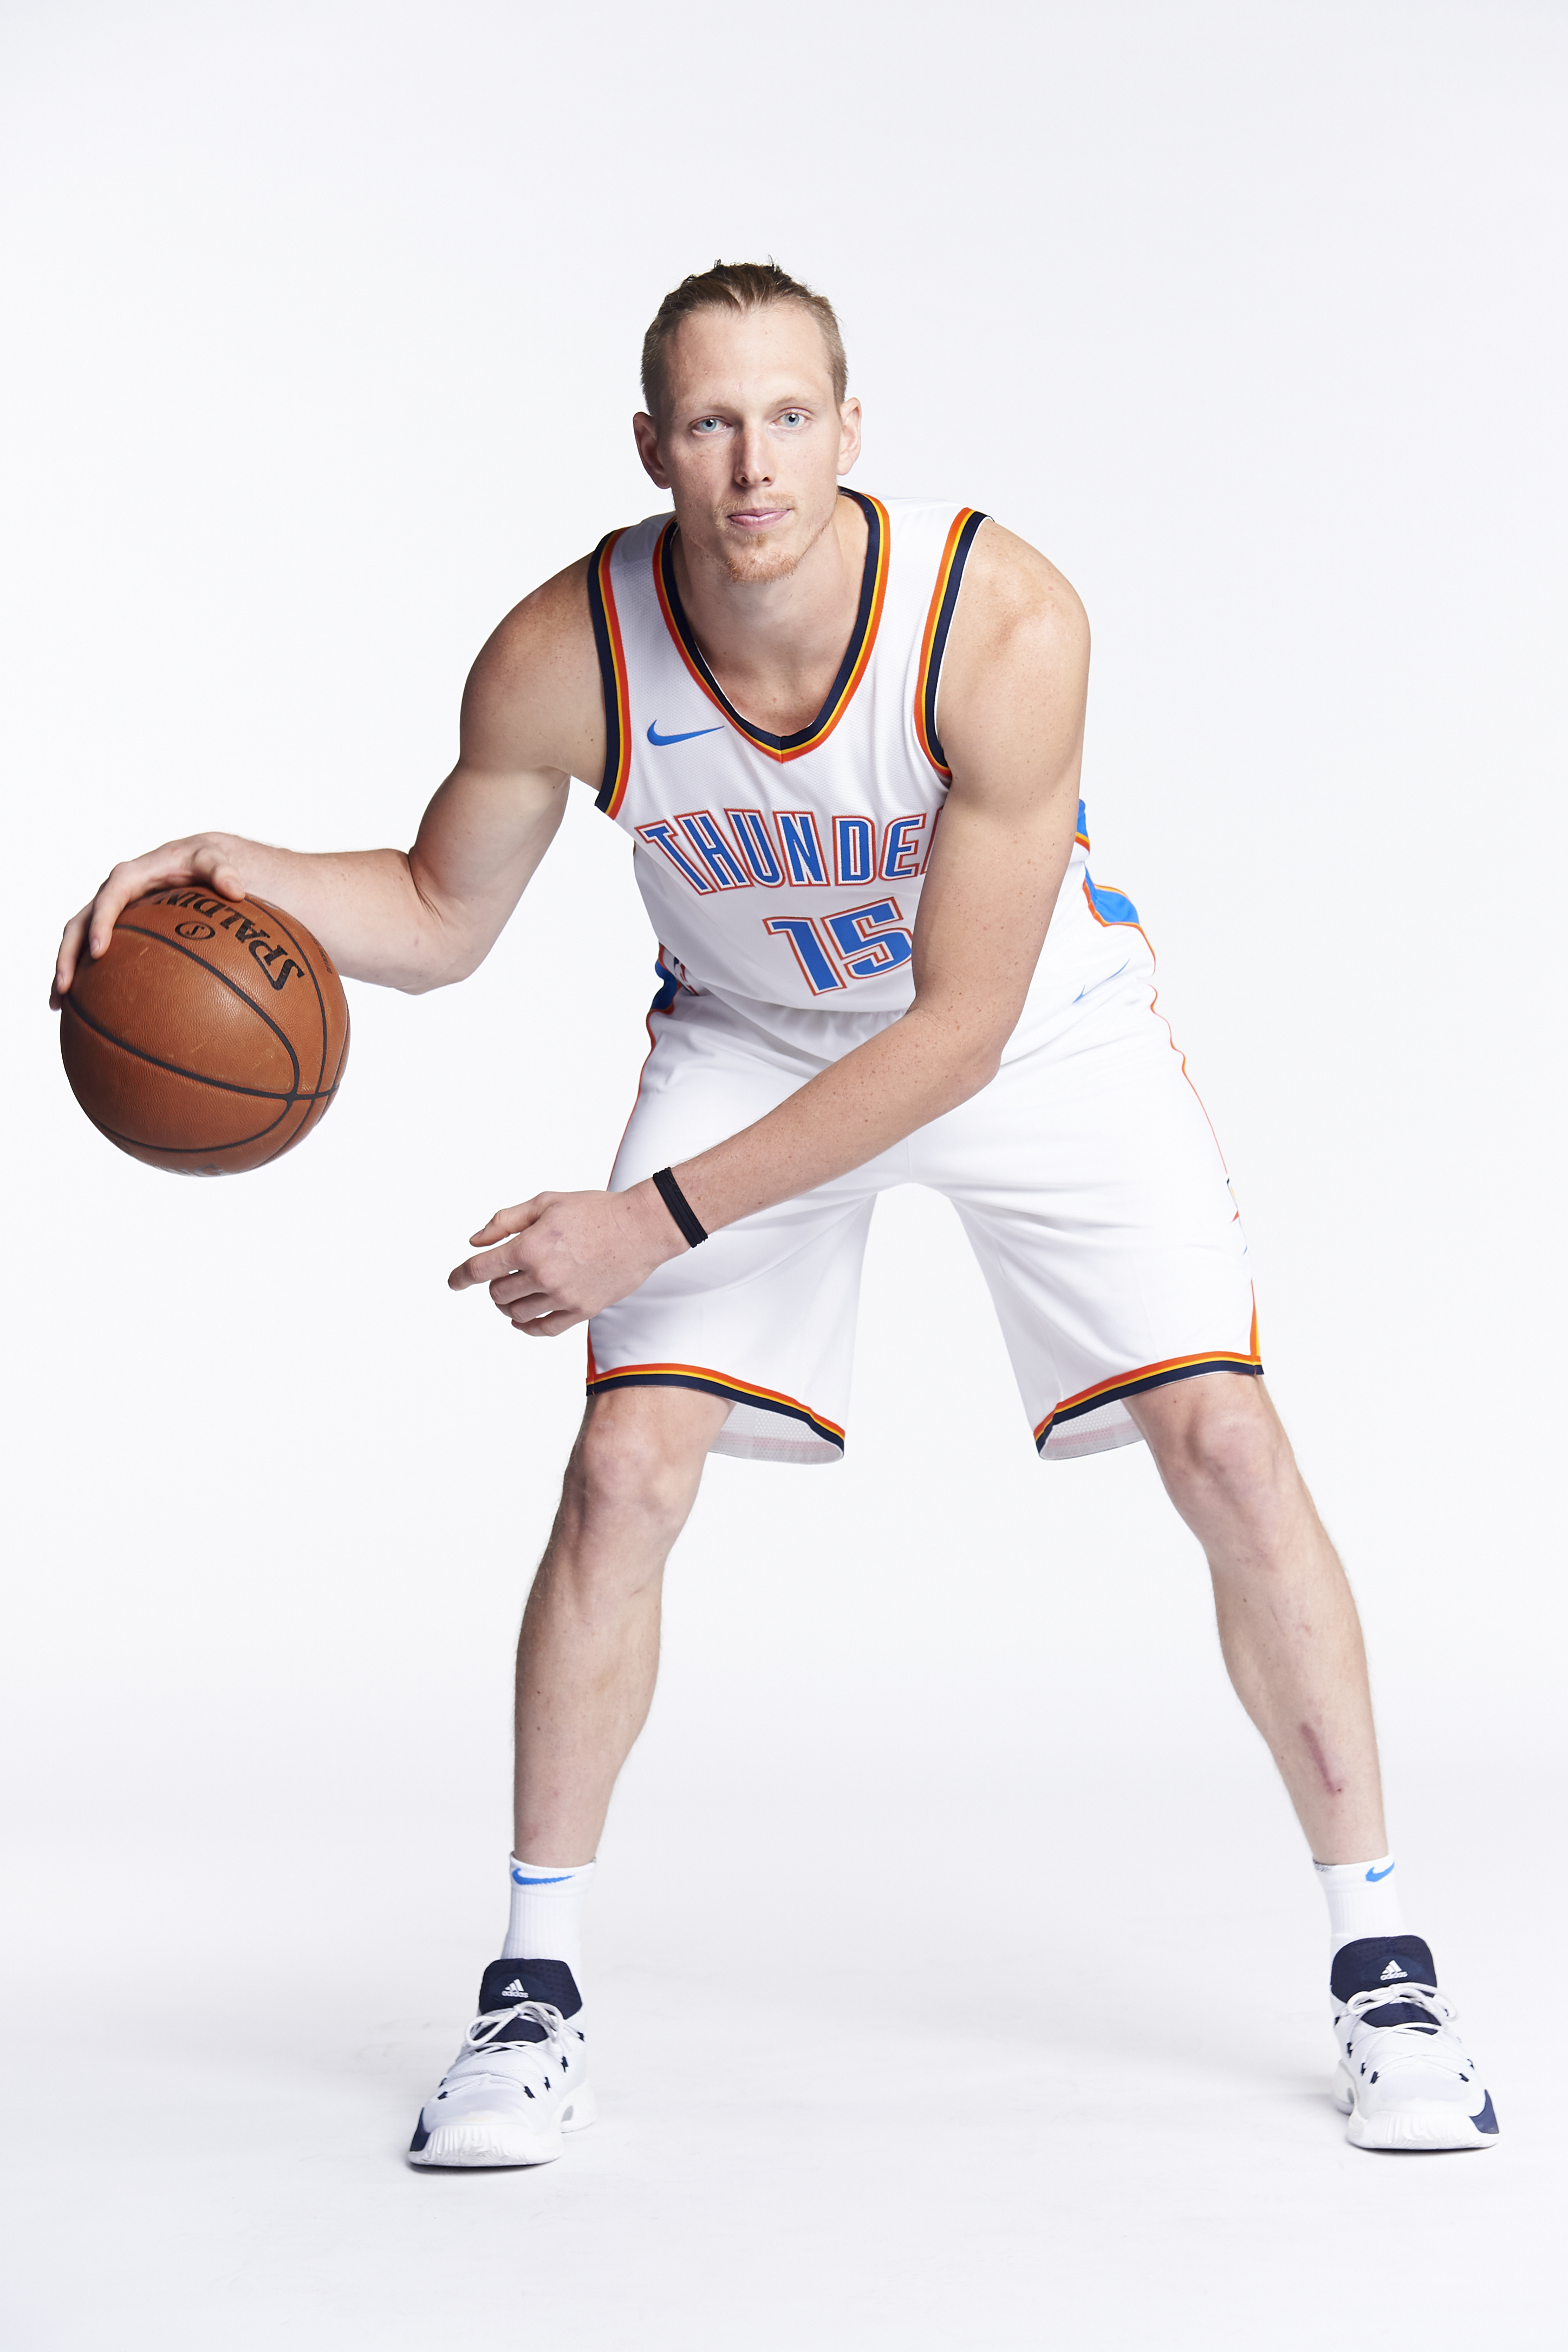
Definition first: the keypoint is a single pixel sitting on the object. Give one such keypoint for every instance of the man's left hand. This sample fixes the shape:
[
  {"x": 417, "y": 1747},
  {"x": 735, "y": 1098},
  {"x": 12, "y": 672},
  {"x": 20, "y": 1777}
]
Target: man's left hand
[{"x": 553, "y": 1261}]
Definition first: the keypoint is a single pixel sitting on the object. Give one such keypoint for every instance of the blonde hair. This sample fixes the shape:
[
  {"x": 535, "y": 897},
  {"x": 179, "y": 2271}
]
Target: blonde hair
[{"x": 738, "y": 286}]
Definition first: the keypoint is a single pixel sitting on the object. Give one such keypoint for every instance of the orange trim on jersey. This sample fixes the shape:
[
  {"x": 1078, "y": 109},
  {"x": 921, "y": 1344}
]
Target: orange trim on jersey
[
  {"x": 938, "y": 620},
  {"x": 612, "y": 672},
  {"x": 868, "y": 620},
  {"x": 699, "y": 1376}
]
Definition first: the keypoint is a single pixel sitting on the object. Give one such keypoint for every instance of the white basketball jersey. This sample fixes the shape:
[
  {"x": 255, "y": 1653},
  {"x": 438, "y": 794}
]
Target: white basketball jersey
[{"x": 783, "y": 873}]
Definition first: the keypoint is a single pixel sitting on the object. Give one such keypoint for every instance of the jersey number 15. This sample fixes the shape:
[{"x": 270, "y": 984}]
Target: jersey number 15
[{"x": 833, "y": 949}]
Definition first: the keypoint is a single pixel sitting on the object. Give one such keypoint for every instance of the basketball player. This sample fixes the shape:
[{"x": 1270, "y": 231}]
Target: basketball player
[{"x": 844, "y": 736}]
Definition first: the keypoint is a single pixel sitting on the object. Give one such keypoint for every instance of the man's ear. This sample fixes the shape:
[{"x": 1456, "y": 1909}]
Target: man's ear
[
  {"x": 849, "y": 435},
  {"x": 645, "y": 433}
]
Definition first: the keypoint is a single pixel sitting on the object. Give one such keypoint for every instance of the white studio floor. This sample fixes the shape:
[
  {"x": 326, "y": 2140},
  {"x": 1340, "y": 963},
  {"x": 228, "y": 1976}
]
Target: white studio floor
[{"x": 829, "y": 2120}]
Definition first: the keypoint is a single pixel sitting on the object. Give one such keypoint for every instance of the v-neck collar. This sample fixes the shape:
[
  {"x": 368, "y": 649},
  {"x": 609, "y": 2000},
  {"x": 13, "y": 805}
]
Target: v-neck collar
[{"x": 851, "y": 669}]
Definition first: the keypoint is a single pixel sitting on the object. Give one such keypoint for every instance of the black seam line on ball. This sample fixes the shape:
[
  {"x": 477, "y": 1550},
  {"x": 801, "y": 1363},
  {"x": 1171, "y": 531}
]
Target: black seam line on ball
[
  {"x": 178, "y": 1069},
  {"x": 232, "y": 986},
  {"x": 343, "y": 1051},
  {"x": 233, "y": 1144},
  {"x": 194, "y": 1150},
  {"x": 306, "y": 966},
  {"x": 692, "y": 1228},
  {"x": 314, "y": 1106},
  {"x": 280, "y": 922}
]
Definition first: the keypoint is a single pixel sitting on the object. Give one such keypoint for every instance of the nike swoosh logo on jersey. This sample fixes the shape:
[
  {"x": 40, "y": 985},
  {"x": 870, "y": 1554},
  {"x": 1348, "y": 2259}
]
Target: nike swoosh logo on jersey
[
  {"x": 690, "y": 735},
  {"x": 1376, "y": 1874}
]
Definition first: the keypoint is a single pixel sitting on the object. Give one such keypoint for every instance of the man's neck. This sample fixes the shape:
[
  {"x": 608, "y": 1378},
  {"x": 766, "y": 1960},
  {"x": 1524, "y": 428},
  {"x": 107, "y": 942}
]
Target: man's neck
[{"x": 775, "y": 645}]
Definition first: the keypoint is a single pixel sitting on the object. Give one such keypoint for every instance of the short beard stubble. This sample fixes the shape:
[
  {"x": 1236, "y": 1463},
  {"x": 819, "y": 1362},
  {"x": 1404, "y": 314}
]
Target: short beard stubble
[{"x": 757, "y": 563}]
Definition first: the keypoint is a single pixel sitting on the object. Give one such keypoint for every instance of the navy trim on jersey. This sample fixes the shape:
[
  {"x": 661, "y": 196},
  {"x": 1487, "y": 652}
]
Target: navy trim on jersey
[
  {"x": 612, "y": 673},
  {"x": 939, "y": 634},
  {"x": 873, "y": 575}
]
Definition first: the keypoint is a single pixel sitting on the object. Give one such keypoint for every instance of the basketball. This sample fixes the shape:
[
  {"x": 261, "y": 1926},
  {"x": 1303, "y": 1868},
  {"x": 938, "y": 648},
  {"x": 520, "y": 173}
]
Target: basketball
[{"x": 210, "y": 1036}]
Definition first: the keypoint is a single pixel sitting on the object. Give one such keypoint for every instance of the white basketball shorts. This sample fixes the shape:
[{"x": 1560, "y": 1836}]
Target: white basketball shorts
[{"x": 1088, "y": 1180}]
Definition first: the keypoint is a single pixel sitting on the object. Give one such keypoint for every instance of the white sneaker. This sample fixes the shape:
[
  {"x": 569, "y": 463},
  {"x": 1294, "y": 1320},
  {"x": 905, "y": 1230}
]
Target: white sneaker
[
  {"x": 1403, "y": 2078},
  {"x": 520, "y": 2078}
]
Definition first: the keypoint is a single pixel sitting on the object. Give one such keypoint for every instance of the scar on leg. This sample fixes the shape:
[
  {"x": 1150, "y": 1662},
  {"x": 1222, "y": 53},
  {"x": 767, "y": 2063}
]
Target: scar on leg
[{"x": 1314, "y": 1748}]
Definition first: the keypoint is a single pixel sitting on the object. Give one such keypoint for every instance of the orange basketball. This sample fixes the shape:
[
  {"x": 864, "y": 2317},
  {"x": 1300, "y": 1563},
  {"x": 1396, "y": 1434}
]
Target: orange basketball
[{"x": 211, "y": 1036}]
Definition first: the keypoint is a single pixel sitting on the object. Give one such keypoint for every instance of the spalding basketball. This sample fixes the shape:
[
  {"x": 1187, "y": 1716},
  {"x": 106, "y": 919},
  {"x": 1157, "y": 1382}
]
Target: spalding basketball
[{"x": 210, "y": 1037}]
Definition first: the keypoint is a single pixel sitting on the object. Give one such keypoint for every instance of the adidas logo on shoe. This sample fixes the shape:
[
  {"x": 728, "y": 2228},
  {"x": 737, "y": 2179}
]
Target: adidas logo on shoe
[
  {"x": 1393, "y": 1970},
  {"x": 517, "y": 1990}
]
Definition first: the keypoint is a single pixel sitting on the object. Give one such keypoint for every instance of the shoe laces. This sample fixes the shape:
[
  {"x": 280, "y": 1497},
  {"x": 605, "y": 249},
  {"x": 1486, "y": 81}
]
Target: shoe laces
[
  {"x": 532, "y": 2058},
  {"x": 492, "y": 2022},
  {"x": 1427, "y": 2040}
]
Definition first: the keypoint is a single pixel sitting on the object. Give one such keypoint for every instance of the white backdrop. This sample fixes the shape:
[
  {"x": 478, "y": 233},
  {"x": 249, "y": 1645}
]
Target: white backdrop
[{"x": 327, "y": 324}]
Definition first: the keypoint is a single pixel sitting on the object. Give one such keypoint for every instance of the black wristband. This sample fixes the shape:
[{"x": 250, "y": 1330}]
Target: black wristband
[{"x": 679, "y": 1207}]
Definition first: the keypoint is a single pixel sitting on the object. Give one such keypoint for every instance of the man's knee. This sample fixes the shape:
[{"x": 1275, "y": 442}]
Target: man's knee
[
  {"x": 638, "y": 1460},
  {"x": 1218, "y": 1444}
]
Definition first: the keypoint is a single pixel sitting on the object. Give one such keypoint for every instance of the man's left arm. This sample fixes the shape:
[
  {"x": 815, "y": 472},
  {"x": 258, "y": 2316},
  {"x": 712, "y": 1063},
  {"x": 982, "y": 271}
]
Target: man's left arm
[{"x": 1014, "y": 680}]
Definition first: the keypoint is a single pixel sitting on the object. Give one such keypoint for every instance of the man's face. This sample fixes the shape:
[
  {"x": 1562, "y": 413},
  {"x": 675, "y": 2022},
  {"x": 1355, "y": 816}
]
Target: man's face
[{"x": 751, "y": 443}]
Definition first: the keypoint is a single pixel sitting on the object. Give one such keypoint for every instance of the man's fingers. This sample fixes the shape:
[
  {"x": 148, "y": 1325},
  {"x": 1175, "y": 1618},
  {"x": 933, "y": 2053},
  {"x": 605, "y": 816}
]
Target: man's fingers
[
  {"x": 529, "y": 1309},
  {"x": 549, "y": 1326},
  {"x": 534, "y": 1311},
  {"x": 506, "y": 1221},
  {"x": 496, "y": 1261},
  {"x": 208, "y": 865},
  {"x": 101, "y": 920},
  {"x": 177, "y": 861},
  {"x": 488, "y": 1268},
  {"x": 123, "y": 884},
  {"x": 514, "y": 1290},
  {"x": 90, "y": 931},
  {"x": 70, "y": 952}
]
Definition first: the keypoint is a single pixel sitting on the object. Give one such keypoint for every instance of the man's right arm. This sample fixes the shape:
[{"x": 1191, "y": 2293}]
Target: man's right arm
[{"x": 533, "y": 717}]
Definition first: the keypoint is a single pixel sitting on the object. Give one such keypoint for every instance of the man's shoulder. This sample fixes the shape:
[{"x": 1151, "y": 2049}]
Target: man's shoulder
[
  {"x": 550, "y": 633},
  {"x": 557, "y": 614},
  {"x": 1017, "y": 586},
  {"x": 553, "y": 613},
  {"x": 1019, "y": 640},
  {"x": 1006, "y": 581},
  {"x": 535, "y": 683}
]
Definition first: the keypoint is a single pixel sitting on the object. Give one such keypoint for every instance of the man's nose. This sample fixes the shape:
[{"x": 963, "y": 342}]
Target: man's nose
[{"x": 753, "y": 458}]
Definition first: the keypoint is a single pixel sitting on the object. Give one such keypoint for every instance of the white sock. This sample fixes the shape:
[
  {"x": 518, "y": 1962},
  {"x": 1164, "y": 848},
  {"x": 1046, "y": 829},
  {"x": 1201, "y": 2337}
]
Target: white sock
[
  {"x": 1363, "y": 1900},
  {"x": 546, "y": 1911}
]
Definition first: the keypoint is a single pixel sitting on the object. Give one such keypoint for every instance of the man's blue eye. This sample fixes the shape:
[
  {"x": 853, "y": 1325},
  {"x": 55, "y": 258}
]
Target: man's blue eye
[{"x": 792, "y": 416}]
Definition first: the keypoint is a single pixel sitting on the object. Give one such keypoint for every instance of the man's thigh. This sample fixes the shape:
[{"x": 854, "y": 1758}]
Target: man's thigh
[
  {"x": 761, "y": 1315},
  {"x": 1093, "y": 1192}
]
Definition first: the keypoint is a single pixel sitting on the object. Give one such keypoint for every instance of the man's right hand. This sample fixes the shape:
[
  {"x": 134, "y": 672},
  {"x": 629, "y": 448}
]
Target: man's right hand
[
  {"x": 203, "y": 857},
  {"x": 533, "y": 717}
]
